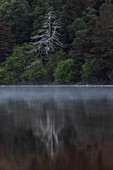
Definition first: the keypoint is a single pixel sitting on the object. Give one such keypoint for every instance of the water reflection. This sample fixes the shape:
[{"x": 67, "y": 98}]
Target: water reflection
[{"x": 71, "y": 125}]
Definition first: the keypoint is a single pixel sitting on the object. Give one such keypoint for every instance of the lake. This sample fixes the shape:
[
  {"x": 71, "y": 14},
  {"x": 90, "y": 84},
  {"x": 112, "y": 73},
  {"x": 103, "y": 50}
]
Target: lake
[{"x": 56, "y": 128}]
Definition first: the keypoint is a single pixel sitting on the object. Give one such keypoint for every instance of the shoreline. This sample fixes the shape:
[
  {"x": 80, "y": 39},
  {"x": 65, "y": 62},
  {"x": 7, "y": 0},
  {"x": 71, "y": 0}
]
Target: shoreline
[{"x": 58, "y": 86}]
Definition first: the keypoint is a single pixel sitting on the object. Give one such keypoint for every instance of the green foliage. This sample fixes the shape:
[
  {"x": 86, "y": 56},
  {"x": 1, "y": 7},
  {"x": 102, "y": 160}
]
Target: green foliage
[
  {"x": 19, "y": 14},
  {"x": 111, "y": 76},
  {"x": 79, "y": 26},
  {"x": 102, "y": 40},
  {"x": 36, "y": 74},
  {"x": 87, "y": 35},
  {"x": 89, "y": 14},
  {"x": 66, "y": 72},
  {"x": 15, "y": 64},
  {"x": 38, "y": 13},
  {"x": 6, "y": 39},
  {"x": 77, "y": 29},
  {"x": 53, "y": 62},
  {"x": 91, "y": 70},
  {"x": 2, "y": 72}
]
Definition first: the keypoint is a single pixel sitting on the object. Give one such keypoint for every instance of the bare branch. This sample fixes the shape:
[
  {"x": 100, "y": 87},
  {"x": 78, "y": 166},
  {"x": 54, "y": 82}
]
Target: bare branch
[{"x": 47, "y": 38}]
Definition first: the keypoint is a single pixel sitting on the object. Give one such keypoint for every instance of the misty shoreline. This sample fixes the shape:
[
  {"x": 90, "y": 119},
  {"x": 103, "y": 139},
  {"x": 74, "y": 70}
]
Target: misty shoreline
[{"x": 58, "y": 86}]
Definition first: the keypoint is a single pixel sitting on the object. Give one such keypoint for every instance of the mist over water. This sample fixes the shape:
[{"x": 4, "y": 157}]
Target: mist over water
[
  {"x": 57, "y": 119},
  {"x": 28, "y": 93}
]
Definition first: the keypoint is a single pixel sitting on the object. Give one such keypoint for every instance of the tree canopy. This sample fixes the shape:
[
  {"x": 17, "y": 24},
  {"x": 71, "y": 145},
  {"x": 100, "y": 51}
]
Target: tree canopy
[
  {"x": 70, "y": 40},
  {"x": 6, "y": 39}
]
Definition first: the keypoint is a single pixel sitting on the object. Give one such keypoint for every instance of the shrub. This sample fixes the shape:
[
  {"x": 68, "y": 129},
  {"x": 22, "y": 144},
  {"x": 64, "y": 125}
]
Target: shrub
[
  {"x": 92, "y": 72},
  {"x": 111, "y": 76},
  {"x": 37, "y": 73},
  {"x": 15, "y": 64},
  {"x": 66, "y": 72}
]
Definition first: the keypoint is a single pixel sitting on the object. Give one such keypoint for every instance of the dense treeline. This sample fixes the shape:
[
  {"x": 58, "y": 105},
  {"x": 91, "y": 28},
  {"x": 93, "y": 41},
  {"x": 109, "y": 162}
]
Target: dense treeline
[{"x": 61, "y": 41}]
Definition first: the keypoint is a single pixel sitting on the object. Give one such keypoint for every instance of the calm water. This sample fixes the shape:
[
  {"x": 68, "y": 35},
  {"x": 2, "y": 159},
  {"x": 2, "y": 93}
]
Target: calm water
[{"x": 54, "y": 125}]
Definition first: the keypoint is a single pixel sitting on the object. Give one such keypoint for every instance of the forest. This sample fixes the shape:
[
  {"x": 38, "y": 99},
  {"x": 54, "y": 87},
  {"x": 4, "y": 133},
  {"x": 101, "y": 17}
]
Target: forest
[{"x": 56, "y": 41}]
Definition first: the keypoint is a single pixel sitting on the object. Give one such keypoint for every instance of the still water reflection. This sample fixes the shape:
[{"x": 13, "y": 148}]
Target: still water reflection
[{"x": 56, "y": 128}]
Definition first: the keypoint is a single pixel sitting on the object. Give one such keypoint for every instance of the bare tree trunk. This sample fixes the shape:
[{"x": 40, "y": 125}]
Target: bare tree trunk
[{"x": 47, "y": 39}]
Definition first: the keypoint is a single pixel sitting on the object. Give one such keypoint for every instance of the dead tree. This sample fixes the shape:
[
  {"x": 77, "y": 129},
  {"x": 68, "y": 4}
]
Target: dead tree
[{"x": 48, "y": 38}]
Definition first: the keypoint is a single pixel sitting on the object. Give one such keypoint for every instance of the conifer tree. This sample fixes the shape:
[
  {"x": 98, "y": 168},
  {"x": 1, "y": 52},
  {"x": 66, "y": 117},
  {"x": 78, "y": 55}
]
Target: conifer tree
[
  {"x": 103, "y": 39},
  {"x": 19, "y": 13},
  {"x": 6, "y": 39}
]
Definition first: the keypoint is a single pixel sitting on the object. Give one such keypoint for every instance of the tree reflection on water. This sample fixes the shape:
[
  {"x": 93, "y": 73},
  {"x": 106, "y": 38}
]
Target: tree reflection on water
[{"x": 56, "y": 132}]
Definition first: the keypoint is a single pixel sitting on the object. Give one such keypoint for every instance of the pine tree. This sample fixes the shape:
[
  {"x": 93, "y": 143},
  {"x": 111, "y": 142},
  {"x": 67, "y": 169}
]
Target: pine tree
[
  {"x": 74, "y": 9},
  {"x": 19, "y": 13},
  {"x": 6, "y": 39},
  {"x": 98, "y": 42},
  {"x": 82, "y": 39},
  {"x": 103, "y": 39}
]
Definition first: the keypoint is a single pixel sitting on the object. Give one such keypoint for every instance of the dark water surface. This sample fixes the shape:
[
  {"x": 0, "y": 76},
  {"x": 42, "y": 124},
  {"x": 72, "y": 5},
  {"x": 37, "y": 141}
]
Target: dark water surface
[{"x": 56, "y": 128}]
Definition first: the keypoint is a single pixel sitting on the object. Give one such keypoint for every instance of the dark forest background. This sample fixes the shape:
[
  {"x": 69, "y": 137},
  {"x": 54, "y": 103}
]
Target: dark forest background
[{"x": 86, "y": 35}]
